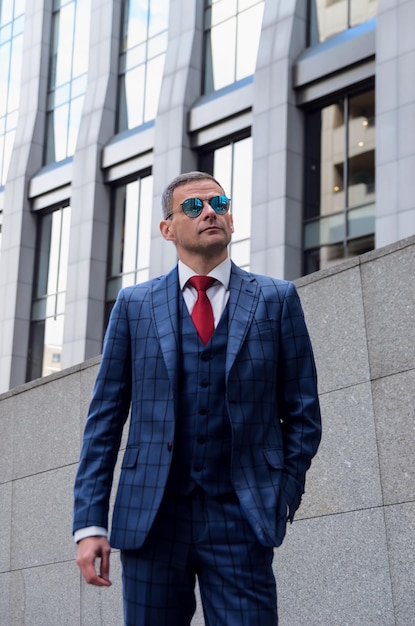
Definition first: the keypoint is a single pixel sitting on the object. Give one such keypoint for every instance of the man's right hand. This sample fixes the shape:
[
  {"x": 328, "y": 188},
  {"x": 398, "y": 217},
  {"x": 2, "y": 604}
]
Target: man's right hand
[{"x": 89, "y": 550}]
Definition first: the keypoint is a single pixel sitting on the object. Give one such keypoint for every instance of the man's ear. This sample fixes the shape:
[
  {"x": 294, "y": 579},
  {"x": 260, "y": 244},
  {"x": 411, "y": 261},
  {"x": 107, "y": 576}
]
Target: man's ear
[{"x": 167, "y": 230}]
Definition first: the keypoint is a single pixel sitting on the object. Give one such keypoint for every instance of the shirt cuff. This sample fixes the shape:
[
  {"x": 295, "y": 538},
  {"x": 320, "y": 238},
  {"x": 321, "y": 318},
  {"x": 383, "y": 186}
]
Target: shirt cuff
[{"x": 89, "y": 531}]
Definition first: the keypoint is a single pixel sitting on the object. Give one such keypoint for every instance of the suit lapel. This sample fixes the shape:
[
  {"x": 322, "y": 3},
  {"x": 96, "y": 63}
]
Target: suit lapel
[
  {"x": 164, "y": 308},
  {"x": 243, "y": 300}
]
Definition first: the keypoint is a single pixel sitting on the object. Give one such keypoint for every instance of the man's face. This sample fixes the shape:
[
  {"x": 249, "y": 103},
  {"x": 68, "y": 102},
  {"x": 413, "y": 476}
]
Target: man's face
[{"x": 207, "y": 235}]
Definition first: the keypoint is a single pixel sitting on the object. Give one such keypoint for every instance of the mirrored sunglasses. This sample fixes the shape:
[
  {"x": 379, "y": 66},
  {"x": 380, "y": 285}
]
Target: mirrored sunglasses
[{"x": 193, "y": 207}]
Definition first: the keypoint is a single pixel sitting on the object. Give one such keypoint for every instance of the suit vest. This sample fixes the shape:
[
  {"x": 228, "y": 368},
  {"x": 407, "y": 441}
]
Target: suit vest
[{"x": 202, "y": 446}]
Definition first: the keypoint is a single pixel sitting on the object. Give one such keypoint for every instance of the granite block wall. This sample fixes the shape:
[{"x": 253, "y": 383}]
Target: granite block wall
[{"x": 349, "y": 555}]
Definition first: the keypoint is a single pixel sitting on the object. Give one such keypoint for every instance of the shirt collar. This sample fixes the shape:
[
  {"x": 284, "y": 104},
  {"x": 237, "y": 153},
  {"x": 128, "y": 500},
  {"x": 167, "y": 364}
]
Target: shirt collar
[{"x": 221, "y": 273}]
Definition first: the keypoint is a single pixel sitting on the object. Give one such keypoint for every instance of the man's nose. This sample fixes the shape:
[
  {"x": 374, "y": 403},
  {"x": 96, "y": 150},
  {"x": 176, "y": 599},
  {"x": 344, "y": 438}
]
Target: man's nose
[{"x": 208, "y": 211}]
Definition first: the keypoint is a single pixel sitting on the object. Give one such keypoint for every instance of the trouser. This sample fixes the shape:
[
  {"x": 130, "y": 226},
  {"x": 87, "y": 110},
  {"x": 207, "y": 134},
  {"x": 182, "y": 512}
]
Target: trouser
[{"x": 208, "y": 538}]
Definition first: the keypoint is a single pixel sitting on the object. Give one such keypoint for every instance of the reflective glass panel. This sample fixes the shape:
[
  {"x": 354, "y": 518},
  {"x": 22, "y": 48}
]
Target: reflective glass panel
[
  {"x": 5, "y": 56},
  {"x": 144, "y": 227},
  {"x": 249, "y": 30},
  {"x": 131, "y": 216},
  {"x": 240, "y": 251},
  {"x": 325, "y": 231},
  {"x": 11, "y": 42},
  {"x": 232, "y": 166},
  {"x": 155, "y": 68},
  {"x": 64, "y": 23},
  {"x": 329, "y": 17},
  {"x": 6, "y": 11},
  {"x": 134, "y": 93},
  {"x": 333, "y": 138},
  {"x": 361, "y": 221},
  {"x": 323, "y": 257},
  {"x": 241, "y": 193},
  {"x": 60, "y": 119},
  {"x": 361, "y": 163},
  {"x": 223, "y": 10},
  {"x": 81, "y": 40},
  {"x": 141, "y": 63},
  {"x": 48, "y": 306},
  {"x": 74, "y": 122},
  {"x": 362, "y": 10},
  {"x": 134, "y": 23},
  {"x": 340, "y": 180},
  {"x": 129, "y": 250},
  {"x": 67, "y": 77},
  {"x": 360, "y": 245},
  {"x": 223, "y": 65},
  {"x": 326, "y": 146},
  {"x": 235, "y": 27}
]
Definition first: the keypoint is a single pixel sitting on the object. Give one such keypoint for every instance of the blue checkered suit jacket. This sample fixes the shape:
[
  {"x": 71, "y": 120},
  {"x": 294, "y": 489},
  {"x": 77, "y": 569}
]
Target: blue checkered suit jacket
[{"x": 271, "y": 398}]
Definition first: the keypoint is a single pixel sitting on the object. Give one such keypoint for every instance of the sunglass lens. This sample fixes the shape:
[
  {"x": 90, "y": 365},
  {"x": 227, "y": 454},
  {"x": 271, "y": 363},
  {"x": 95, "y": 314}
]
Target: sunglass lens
[
  {"x": 192, "y": 207},
  {"x": 219, "y": 204}
]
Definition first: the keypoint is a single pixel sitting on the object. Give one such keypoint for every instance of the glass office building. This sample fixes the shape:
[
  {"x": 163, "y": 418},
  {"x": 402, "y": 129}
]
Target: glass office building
[{"x": 304, "y": 111}]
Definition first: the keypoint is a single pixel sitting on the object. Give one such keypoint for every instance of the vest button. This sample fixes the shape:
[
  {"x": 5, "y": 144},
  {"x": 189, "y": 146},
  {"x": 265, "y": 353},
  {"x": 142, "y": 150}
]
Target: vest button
[
  {"x": 205, "y": 357},
  {"x": 198, "y": 468},
  {"x": 170, "y": 446},
  {"x": 203, "y": 412},
  {"x": 204, "y": 383},
  {"x": 201, "y": 439}
]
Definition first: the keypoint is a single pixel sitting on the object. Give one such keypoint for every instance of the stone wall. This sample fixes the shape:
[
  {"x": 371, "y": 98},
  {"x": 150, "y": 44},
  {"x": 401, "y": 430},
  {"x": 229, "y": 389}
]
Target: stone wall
[{"x": 349, "y": 557}]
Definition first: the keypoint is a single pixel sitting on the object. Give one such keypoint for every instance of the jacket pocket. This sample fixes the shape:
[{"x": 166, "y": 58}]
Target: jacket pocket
[
  {"x": 275, "y": 457},
  {"x": 130, "y": 457}
]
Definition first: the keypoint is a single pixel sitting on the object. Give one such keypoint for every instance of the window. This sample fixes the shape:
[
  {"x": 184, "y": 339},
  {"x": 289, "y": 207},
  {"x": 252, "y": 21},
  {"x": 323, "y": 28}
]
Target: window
[
  {"x": 130, "y": 235},
  {"x": 231, "y": 165},
  {"x": 143, "y": 51},
  {"x": 231, "y": 37},
  {"x": 48, "y": 304},
  {"x": 11, "y": 42},
  {"x": 340, "y": 181},
  {"x": 67, "y": 77},
  {"x": 329, "y": 17}
]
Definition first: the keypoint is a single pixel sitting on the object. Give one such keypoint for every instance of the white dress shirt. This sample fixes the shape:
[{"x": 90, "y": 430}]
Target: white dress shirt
[{"x": 218, "y": 293}]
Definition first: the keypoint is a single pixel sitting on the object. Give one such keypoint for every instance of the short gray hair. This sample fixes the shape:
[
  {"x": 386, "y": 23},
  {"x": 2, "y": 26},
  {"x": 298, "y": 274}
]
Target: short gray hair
[{"x": 182, "y": 179}]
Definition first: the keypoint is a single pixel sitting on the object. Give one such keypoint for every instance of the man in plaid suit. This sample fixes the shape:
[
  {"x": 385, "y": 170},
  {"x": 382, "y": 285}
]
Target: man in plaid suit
[{"x": 222, "y": 429}]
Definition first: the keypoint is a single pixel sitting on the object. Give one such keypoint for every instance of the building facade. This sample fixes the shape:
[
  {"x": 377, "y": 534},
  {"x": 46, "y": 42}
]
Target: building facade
[{"x": 304, "y": 110}]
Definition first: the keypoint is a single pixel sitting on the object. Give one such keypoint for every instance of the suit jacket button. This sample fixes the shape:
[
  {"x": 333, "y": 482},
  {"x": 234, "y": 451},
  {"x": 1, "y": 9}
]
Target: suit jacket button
[{"x": 170, "y": 446}]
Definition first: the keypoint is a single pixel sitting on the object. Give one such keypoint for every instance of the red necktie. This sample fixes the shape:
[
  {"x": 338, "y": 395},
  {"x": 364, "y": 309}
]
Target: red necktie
[{"x": 202, "y": 314}]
